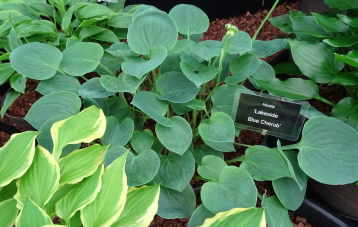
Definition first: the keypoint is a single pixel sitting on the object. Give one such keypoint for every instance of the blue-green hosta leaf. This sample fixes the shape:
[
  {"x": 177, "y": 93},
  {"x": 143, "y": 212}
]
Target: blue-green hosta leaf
[
  {"x": 93, "y": 10},
  {"x": 204, "y": 150},
  {"x": 106, "y": 36},
  {"x": 236, "y": 188},
  {"x": 40, "y": 181},
  {"x": 175, "y": 204},
  {"x": 171, "y": 64},
  {"x": 283, "y": 22},
  {"x": 101, "y": 103},
  {"x": 176, "y": 87},
  {"x": 328, "y": 151},
  {"x": 275, "y": 213},
  {"x": 149, "y": 103},
  {"x": 6, "y": 70},
  {"x": 138, "y": 66},
  {"x": 118, "y": 132},
  {"x": 176, "y": 138},
  {"x": 118, "y": 107},
  {"x": 263, "y": 49},
  {"x": 8, "y": 101},
  {"x": 32, "y": 215},
  {"x": 120, "y": 50},
  {"x": 81, "y": 58},
  {"x": 16, "y": 156},
  {"x": 120, "y": 20},
  {"x": 123, "y": 83},
  {"x": 142, "y": 140},
  {"x": 242, "y": 67},
  {"x": 175, "y": 171},
  {"x": 146, "y": 31},
  {"x": 140, "y": 207},
  {"x": 210, "y": 167},
  {"x": 89, "y": 22},
  {"x": 264, "y": 72},
  {"x": 199, "y": 216},
  {"x": 218, "y": 132},
  {"x": 90, "y": 31},
  {"x": 182, "y": 45},
  {"x": 8, "y": 212},
  {"x": 18, "y": 82},
  {"x": 306, "y": 28},
  {"x": 207, "y": 49},
  {"x": 14, "y": 39},
  {"x": 37, "y": 61},
  {"x": 238, "y": 44},
  {"x": 346, "y": 111},
  {"x": 59, "y": 83}
]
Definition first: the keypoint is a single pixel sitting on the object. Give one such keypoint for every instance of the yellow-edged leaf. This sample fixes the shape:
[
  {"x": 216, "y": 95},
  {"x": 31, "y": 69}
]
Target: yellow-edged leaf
[
  {"x": 8, "y": 212},
  {"x": 32, "y": 215}
]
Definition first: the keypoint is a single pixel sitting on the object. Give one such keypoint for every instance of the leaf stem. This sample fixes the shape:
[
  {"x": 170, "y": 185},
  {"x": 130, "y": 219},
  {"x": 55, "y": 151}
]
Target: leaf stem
[
  {"x": 263, "y": 22},
  {"x": 325, "y": 101},
  {"x": 107, "y": 69},
  {"x": 244, "y": 145},
  {"x": 237, "y": 159}
]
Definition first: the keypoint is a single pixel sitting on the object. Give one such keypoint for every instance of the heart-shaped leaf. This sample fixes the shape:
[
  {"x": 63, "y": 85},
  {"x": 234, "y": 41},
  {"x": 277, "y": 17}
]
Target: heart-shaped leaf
[
  {"x": 94, "y": 89},
  {"x": 141, "y": 141},
  {"x": 238, "y": 44},
  {"x": 210, "y": 167},
  {"x": 242, "y": 67},
  {"x": 123, "y": 83},
  {"x": 207, "y": 49},
  {"x": 118, "y": 132},
  {"x": 275, "y": 213},
  {"x": 199, "y": 215},
  {"x": 59, "y": 83},
  {"x": 204, "y": 150}
]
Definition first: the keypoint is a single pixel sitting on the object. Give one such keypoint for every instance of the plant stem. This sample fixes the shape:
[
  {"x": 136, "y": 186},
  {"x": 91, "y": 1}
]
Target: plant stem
[
  {"x": 237, "y": 159},
  {"x": 288, "y": 147},
  {"x": 83, "y": 77},
  {"x": 244, "y": 145},
  {"x": 263, "y": 22},
  {"x": 201, "y": 178},
  {"x": 325, "y": 101},
  {"x": 107, "y": 69}
]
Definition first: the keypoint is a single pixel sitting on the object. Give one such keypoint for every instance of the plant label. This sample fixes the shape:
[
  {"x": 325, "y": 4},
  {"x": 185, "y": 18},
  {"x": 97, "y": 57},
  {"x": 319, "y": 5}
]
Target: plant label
[{"x": 269, "y": 114}]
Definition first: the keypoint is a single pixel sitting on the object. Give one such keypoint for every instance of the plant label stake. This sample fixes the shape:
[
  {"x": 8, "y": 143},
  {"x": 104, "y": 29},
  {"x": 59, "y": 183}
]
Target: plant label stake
[{"x": 269, "y": 114}]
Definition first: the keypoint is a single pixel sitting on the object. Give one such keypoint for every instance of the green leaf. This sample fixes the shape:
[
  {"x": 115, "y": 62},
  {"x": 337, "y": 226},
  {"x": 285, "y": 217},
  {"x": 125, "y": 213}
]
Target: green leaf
[
  {"x": 118, "y": 107},
  {"x": 40, "y": 181},
  {"x": 264, "y": 72},
  {"x": 175, "y": 204},
  {"x": 342, "y": 5},
  {"x": 81, "y": 163},
  {"x": 346, "y": 111},
  {"x": 176, "y": 138},
  {"x": 9, "y": 100},
  {"x": 121, "y": 20},
  {"x": 342, "y": 41},
  {"x": 264, "y": 164},
  {"x": 140, "y": 207},
  {"x": 120, "y": 50},
  {"x": 199, "y": 216},
  {"x": 8, "y": 191},
  {"x": 182, "y": 45},
  {"x": 330, "y": 24},
  {"x": 315, "y": 60},
  {"x": 14, "y": 39},
  {"x": 146, "y": 31},
  {"x": 37, "y": 61},
  {"x": 218, "y": 132},
  {"x": 176, "y": 87},
  {"x": 253, "y": 217},
  {"x": 32, "y": 215},
  {"x": 59, "y": 83},
  {"x": 238, "y": 44},
  {"x": 138, "y": 66},
  {"x": 207, "y": 49},
  {"x": 118, "y": 132},
  {"x": 175, "y": 171},
  {"x": 283, "y": 22},
  {"x": 275, "y": 213},
  {"x": 59, "y": 194},
  {"x": 242, "y": 67},
  {"x": 8, "y": 212},
  {"x": 149, "y": 103},
  {"x": 189, "y": 19},
  {"x": 90, "y": 31},
  {"x": 6, "y": 71},
  {"x": 293, "y": 88},
  {"x": 90, "y": 125},
  {"x": 141, "y": 141},
  {"x": 289, "y": 192},
  {"x": 351, "y": 58},
  {"x": 306, "y": 28},
  {"x": 350, "y": 78},
  {"x": 236, "y": 188},
  {"x": 89, "y": 22},
  {"x": 289, "y": 68},
  {"x": 106, "y": 36},
  {"x": 196, "y": 104},
  {"x": 81, "y": 58},
  {"x": 18, "y": 82},
  {"x": 210, "y": 167},
  {"x": 204, "y": 150},
  {"x": 113, "y": 153},
  {"x": 109, "y": 203},
  {"x": 348, "y": 20},
  {"x": 53, "y": 105},
  {"x": 16, "y": 156},
  {"x": 263, "y": 49},
  {"x": 79, "y": 197},
  {"x": 123, "y": 83},
  {"x": 93, "y": 10},
  {"x": 328, "y": 151}
]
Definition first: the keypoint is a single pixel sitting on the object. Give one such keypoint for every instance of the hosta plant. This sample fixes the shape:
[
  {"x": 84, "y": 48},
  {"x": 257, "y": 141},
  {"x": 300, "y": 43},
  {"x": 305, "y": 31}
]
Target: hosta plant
[
  {"x": 168, "y": 105},
  {"x": 36, "y": 185}
]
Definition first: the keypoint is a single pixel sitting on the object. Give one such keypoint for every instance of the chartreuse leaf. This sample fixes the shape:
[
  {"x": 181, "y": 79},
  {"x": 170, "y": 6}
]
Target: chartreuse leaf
[
  {"x": 6, "y": 71},
  {"x": 40, "y": 181},
  {"x": 238, "y": 44},
  {"x": 210, "y": 167},
  {"x": 90, "y": 125},
  {"x": 189, "y": 19},
  {"x": 351, "y": 58},
  {"x": 82, "y": 195},
  {"x": 81, "y": 58},
  {"x": 236, "y": 188},
  {"x": 227, "y": 91},
  {"x": 37, "y": 61},
  {"x": 199, "y": 216},
  {"x": 346, "y": 111},
  {"x": 325, "y": 141},
  {"x": 315, "y": 60},
  {"x": 176, "y": 138},
  {"x": 204, "y": 150},
  {"x": 59, "y": 83},
  {"x": 141, "y": 141},
  {"x": 32, "y": 215},
  {"x": 8, "y": 212},
  {"x": 175, "y": 171},
  {"x": 218, "y": 132},
  {"x": 52, "y": 105},
  {"x": 81, "y": 163},
  {"x": 176, "y": 87},
  {"x": 50, "y": 207},
  {"x": 207, "y": 49},
  {"x": 109, "y": 203},
  {"x": 146, "y": 31},
  {"x": 253, "y": 217},
  {"x": 275, "y": 213},
  {"x": 138, "y": 66},
  {"x": 149, "y": 103},
  {"x": 118, "y": 132},
  {"x": 16, "y": 156},
  {"x": 242, "y": 67},
  {"x": 175, "y": 204},
  {"x": 140, "y": 207},
  {"x": 123, "y": 83},
  {"x": 293, "y": 88}
]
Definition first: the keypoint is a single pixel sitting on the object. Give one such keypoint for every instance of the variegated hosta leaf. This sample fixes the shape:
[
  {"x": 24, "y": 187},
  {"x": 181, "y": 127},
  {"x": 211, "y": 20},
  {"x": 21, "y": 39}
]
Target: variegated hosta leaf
[
  {"x": 16, "y": 156},
  {"x": 85, "y": 126},
  {"x": 8, "y": 212},
  {"x": 253, "y": 217},
  {"x": 40, "y": 181},
  {"x": 140, "y": 208},
  {"x": 82, "y": 195},
  {"x": 32, "y": 215},
  {"x": 81, "y": 163},
  {"x": 109, "y": 203}
]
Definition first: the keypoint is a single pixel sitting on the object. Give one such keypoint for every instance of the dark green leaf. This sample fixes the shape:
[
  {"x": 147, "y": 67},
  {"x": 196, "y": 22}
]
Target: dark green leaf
[
  {"x": 94, "y": 89},
  {"x": 141, "y": 141},
  {"x": 203, "y": 150},
  {"x": 123, "y": 83},
  {"x": 330, "y": 24},
  {"x": 351, "y": 58},
  {"x": 342, "y": 41},
  {"x": 18, "y": 82},
  {"x": 350, "y": 78},
  {"x": 289, "y": 68},
  {"x": 9, "y": 100},
  {"x": 199, "y": 216},
  {"x": 242, "y": 67},
  {"x": 275, "y": 213},
  {"x": 211, "y": 167},
  {"x": 59, "y": 83},
  {"x": 118, "y": 132},
  {"x": 346, "y": 111}
]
